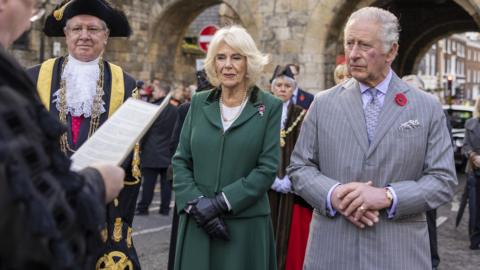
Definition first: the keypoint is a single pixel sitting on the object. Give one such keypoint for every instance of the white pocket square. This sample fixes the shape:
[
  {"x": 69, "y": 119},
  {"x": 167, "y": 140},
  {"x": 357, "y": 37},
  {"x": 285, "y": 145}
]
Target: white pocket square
[{"x": 410, "y": 124}]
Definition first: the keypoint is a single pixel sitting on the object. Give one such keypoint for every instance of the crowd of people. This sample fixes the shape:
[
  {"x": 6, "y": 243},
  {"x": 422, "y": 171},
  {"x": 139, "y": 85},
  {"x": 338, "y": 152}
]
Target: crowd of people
[{"x": 257, "y": 174}]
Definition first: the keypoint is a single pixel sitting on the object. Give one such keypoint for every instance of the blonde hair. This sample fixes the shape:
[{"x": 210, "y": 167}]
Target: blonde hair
[
  {"x": 341, "y": 70},
  {"x": 476, "y": 112},
  {"x": 238, "y": 39}
]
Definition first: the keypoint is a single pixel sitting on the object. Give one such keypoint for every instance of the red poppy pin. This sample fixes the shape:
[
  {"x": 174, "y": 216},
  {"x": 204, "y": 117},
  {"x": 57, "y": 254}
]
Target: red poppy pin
[
  {"x": 401, "y": 99},
  {"x": 261, "y": 109},
  {"x": 302, "y": 97}
]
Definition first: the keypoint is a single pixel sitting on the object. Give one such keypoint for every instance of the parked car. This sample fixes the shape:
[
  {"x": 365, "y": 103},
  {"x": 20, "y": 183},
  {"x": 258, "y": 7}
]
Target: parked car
[{"x": 458, "y": 114}]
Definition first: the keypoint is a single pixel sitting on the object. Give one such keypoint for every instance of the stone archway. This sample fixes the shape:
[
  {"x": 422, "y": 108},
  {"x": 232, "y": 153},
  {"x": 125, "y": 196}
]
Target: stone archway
[
  {"x": 324, "y": 38},
  {"x": 439, "y": 18},
  {"x": 448, "y": 19},
  {"x": 169, "y": 24}
]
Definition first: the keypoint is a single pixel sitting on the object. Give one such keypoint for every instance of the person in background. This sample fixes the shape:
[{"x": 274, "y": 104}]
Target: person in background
[
  {"x": 300, "y": 97},
  {"x": 189, "y": 91},
  {"x": 83, "y": 90},
  {"x": 202, "y": 85},
  {"x": 290, "y": 224},
  {"x": 140, "y": 85},
  {"x": 372, "y": 157},
  {"x": 341, "y": 74},
  {"x": 155, "y": 153},
  {"x": 48, "y": 211},
  {"x": 226, "y": 162},
  {"x": 178, "y": 95},
  {"x": 417, "y": 82},
  {"x": 202, "y": 81},
  {"x": 146, "y": 92},
  {"x": 471, "y": 149}
]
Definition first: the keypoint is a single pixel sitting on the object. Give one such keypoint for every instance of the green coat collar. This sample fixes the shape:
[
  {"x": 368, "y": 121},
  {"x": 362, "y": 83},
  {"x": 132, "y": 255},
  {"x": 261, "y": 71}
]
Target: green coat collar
[{"x": 211, "y": 109}]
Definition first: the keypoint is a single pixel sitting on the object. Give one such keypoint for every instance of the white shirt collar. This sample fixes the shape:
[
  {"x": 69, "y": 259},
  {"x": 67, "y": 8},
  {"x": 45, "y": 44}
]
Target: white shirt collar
[
  {"x": 382, "y": 86},
  {"x": 75, "y": 62},
  {"x": 295, "y": 93}
]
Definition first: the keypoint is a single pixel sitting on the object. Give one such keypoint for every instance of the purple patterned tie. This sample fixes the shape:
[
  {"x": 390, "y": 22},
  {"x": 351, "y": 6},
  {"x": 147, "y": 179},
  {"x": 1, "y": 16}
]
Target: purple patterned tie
[{"x": 372, "y": 110}]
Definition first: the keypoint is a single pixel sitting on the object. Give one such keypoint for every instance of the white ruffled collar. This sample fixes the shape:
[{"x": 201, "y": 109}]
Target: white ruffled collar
[{"x": 81, "y": 87}]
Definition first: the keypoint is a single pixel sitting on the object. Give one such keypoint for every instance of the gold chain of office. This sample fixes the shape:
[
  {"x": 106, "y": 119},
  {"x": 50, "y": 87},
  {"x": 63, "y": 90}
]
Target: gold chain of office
[
  {"x": 97, "y": 103},
  {"x": 284, "y": 133}
]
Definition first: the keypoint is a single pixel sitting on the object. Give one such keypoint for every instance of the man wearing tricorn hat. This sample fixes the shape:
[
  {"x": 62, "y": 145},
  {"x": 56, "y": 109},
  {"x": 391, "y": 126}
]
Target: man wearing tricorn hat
[
  {"x": 290, "y": 214},
  {"x": 83, "y": 90}
]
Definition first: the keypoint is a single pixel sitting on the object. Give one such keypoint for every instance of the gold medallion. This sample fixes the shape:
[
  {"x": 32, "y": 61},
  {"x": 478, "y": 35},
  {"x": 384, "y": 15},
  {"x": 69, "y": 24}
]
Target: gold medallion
[{"x": 115, "y": 260}]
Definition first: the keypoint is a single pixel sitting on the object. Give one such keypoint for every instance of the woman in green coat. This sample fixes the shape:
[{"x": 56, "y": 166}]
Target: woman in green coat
[{"x": 226, "y": 162}]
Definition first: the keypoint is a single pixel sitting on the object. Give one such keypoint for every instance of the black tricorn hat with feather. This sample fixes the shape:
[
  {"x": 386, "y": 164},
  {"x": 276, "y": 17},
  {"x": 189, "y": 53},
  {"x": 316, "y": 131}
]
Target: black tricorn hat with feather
[
  {"x": 115, "y": 19},
  {"x": 282, "y": 71}
]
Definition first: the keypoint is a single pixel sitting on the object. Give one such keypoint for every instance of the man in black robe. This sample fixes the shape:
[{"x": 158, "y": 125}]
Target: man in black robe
[{"x": 83, "y": 90}]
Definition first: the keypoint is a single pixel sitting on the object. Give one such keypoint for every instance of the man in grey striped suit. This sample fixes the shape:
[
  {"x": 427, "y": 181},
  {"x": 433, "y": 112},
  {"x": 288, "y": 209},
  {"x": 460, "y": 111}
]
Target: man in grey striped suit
[{"x": 373, "y": 155}]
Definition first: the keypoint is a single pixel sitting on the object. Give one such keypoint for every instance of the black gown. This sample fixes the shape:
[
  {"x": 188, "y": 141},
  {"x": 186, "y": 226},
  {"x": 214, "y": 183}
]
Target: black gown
[{"x": 118, "y": 248}]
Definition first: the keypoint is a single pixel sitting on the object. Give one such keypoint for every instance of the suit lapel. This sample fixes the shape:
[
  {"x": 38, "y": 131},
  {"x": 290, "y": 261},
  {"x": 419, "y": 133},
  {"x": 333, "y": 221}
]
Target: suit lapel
[
  {"x": 352, "y": 106},
  {"x": 390, "y": 111}
]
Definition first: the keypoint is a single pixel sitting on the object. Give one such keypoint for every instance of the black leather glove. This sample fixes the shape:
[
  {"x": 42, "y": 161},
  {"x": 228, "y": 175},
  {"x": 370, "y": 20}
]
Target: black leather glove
[
  {"x": 204, "y": 209},
  {"x": 216, "y": 228}
]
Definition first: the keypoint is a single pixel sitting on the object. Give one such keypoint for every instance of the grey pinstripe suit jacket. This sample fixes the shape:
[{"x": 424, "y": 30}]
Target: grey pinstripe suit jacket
[{"x": 417, "y": 161}]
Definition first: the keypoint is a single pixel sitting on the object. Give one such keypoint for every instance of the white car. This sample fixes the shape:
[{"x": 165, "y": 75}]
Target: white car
[{"x": 458, "y": 115}]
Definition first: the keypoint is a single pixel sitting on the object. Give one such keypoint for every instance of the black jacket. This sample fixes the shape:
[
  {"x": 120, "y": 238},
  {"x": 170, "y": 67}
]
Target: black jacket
[{"x": 156, "y": 143}]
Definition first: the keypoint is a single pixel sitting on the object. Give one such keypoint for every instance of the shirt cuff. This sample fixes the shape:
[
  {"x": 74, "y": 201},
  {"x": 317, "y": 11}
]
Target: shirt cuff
[
  {"x": 227, "y": 202},
  {"x": 393, "y": 208},
  {"x": 332, "y": 212}
]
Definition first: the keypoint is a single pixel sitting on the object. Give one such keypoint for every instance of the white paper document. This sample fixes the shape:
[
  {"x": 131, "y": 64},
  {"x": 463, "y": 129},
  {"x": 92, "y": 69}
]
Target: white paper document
[{"x": 115, "y": 139}]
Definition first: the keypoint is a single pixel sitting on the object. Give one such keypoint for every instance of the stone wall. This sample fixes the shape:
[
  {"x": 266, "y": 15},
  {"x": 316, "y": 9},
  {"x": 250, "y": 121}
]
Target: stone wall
[{"x": 307, "y": 32}]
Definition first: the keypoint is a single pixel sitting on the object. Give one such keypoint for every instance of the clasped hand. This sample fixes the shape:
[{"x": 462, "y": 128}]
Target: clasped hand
[
  {"x": 206, "y": 213},
  {"x": 359, "y": 202}
]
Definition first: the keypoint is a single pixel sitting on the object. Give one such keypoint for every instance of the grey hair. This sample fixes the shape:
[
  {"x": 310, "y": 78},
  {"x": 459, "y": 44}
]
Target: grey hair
[
  {"x": 240, "y": 40},
  {"x": 288, "y": 79},
  {"x": 388, "y": 22}
]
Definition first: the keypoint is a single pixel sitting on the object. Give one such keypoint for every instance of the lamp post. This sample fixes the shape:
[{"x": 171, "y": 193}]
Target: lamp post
[{"x": 450, "y": 89}]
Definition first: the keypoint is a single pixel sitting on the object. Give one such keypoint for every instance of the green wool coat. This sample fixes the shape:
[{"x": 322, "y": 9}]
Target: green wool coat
[{"x": 241, "y": 163}]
